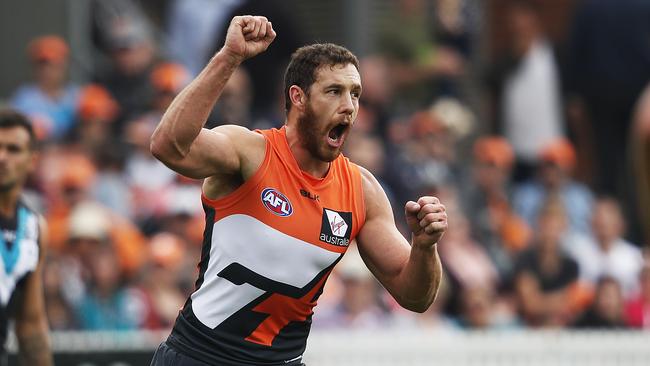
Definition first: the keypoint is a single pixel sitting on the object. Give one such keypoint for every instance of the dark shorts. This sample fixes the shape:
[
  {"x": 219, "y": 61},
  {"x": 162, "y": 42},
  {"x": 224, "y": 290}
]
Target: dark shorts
[{"x": 167, "y": 356}]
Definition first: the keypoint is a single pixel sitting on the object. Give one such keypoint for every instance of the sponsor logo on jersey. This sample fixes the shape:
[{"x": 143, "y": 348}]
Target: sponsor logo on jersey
[
  {"x": 276, "y": 202},
  {"x": 336, "y": 227},
  {"x": 309, "y": 195}
]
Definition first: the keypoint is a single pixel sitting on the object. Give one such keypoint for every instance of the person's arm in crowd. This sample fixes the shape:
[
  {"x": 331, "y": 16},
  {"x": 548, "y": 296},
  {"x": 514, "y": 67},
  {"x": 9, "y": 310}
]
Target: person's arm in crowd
[
  {"x": 538, "y": 307},
  {"x": 31, "y": 321},
  {"x": 180, "y": 141},
  {"x": 411, "y": 273}
]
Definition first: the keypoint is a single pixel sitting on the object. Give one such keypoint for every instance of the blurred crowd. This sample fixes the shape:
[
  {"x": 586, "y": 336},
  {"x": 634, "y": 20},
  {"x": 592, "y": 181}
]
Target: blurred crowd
[{"x": 546, "y": 178}]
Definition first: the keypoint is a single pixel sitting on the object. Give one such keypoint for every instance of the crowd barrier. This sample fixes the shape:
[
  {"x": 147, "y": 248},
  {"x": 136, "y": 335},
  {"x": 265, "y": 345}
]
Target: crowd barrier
[{"x": 394, "y": 348}]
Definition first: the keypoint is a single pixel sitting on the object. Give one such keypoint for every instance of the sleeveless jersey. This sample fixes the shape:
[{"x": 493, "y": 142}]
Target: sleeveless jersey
[
  {"x": 19, "y": 246},
  {"x": 268, "y": 249}
]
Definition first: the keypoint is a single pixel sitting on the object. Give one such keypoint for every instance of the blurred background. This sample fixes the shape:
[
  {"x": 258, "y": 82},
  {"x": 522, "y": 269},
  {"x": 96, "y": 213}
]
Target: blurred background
[{"x": 529, "y": 119}]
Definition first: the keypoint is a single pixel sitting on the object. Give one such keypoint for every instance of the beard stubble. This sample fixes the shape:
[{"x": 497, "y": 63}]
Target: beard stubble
[{"x": 309, "y": 136}]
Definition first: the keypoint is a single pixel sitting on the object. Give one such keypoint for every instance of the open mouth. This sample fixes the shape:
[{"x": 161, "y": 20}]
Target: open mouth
[{"x": 335, "y": 136}]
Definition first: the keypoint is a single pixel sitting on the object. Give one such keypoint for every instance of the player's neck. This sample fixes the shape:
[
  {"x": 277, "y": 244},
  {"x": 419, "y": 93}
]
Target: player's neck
[
  {"x": 305, "y": 159},
  {"x": 8, "y": 201}
]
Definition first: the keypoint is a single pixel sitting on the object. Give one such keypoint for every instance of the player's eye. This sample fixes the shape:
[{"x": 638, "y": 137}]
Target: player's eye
[{"x": 13, "y": 148}]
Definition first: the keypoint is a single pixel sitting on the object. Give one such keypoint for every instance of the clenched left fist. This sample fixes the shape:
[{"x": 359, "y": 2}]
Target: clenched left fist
[{"x": 427, "y": 219}]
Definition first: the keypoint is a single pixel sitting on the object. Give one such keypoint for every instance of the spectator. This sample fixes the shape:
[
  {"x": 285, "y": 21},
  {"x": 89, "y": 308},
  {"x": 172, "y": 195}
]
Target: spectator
[
  {"x": 607, "y": 309},
  {"x": 67, "y": 179},
  {"x": 415, "y": 61},
  {"x": 76, "y": 205},
  {"x": 608, "y": 65},
  {"x": 148, "y": 177},
  {"x": 180, "y": 211},
  {"x": 488, "y": 204},
  {"x": 378, "y": 95},
  {"x": 544, "y": 275},
  {"x": 266, "y": 69},
  {"x": 480, "y": 309},
  {"x": 96, "y": 111},
  {"x": 458, "y": 24},
  {"x": 50, "y": 101},
  {"x": 527, "y": 89},
  {"x": 162, "y": 282},
  {"x": 369, "y": 151},
  {"x": 111, "y": 187},
  {"x": 606, "y": 253},
  {"x": 637, "y": 309},
  {"x": 60, "y": 313},
  {"x": 108, "y": 305},
  {"x": 557, "y": 161},
  {"x": 467, "y": 264},
  {"x": 235, "y": 103},
  {"x": 126, "y": 36},
  {"x": 425, "y": 158},
  {"x": 93, "y": 137}
]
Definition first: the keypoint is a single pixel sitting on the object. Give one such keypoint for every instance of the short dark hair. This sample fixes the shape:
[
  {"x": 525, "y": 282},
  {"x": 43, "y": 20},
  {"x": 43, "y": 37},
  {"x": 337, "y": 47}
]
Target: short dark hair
[
  {"x": 10, "y": 118},
  {"x": 306, "y": 60}
]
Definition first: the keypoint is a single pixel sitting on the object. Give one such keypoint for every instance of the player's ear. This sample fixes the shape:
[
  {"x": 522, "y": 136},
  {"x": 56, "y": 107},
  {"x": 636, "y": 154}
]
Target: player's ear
[{"x": 297, "y": 96}]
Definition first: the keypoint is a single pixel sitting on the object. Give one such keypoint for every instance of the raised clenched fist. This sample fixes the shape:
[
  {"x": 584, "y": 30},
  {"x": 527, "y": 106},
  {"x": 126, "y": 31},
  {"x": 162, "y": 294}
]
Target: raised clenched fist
[
  {"x": 248, "y": 36},
  {"x": 427, "y": 219}
]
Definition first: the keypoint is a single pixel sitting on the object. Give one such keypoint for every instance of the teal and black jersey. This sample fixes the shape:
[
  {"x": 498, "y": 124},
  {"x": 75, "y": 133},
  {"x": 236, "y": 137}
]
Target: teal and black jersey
[{"x": 19, "y": 246}]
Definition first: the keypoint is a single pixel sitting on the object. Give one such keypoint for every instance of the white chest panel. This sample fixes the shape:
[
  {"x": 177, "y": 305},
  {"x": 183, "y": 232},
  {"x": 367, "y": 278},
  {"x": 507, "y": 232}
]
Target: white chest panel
[{"x": 260, "y": 248}]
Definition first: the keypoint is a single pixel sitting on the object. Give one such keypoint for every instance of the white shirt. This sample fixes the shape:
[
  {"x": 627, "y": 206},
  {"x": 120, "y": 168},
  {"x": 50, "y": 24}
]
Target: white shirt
[
  {"x": 623, "y": 261},
  {"x": 531, "y": 103}
]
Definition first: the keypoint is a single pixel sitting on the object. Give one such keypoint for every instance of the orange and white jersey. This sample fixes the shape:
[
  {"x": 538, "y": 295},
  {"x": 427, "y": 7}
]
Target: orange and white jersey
[{"x": 268, "y": 249}]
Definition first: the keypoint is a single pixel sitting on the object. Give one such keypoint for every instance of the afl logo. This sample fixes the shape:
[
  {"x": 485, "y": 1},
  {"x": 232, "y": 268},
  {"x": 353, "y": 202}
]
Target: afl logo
[{"x": 276, "y": 202}]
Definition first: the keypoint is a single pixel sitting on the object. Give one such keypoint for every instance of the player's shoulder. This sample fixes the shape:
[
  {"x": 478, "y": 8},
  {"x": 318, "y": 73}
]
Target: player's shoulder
[
  {"x": 36, "y": 221},
  {"x": 372, "y": 189},
  {"x": 367, "y": 178},
  {"x": 31, "y": 203}
]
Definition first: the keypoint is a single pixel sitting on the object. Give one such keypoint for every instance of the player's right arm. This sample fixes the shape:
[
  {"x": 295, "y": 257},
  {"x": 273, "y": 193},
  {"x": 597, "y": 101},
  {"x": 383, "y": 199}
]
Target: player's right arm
[{"x": 180, "y": 141}]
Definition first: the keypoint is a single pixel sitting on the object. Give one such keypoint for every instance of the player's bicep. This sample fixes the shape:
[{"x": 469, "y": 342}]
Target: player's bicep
[
  {"x": 215, "y": 151},
  {"x": 382, "y": 247}
]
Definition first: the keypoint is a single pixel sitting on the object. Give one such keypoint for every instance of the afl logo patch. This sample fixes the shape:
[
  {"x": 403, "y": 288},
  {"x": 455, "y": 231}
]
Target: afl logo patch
[{"x": 276, "y": 202}]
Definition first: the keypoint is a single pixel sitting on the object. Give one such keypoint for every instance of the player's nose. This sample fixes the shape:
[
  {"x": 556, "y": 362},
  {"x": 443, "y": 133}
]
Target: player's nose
[{"x": 347, "y": 104}]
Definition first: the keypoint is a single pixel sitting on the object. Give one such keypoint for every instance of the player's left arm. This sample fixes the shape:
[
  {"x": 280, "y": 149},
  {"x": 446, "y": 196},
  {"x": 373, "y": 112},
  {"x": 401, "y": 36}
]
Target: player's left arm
[
  {"x": 411, "y": 273},
  {"x": 31, "y": 321}
]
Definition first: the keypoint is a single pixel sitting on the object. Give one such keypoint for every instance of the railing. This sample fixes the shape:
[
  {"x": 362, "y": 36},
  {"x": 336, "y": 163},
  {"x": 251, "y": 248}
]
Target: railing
[{"x": 379, "y": 348}]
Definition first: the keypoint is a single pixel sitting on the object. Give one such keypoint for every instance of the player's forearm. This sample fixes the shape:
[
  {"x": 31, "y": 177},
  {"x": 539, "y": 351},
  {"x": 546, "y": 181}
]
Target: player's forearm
[
  {"x": 34, "y": 349},
  {"x": 185, "y": 117},
  {"x": 420, "y": 279}
]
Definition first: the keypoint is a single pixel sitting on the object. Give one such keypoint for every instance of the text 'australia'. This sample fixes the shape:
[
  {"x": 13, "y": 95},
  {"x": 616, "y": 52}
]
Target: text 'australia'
[{"x": 336, "y": 227}]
